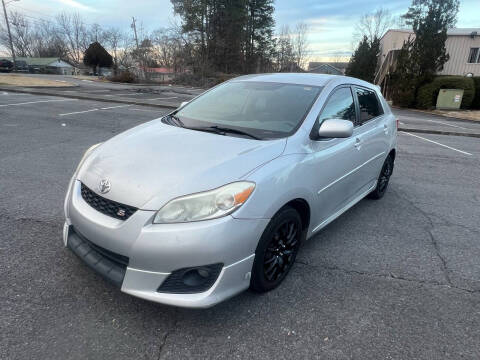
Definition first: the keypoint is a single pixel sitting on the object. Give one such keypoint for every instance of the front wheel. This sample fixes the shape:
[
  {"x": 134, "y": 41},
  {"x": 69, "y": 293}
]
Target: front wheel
[
  {"x": 276, "y": 250},
  {"x": 383, "y": 179}
]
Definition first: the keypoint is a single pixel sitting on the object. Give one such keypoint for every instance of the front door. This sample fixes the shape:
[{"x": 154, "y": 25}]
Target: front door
[{"x": 334, "y": 161}]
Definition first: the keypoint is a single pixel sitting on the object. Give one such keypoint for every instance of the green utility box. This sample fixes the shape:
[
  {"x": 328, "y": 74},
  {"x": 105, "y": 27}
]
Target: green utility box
[{"x": 449, "y": 99}]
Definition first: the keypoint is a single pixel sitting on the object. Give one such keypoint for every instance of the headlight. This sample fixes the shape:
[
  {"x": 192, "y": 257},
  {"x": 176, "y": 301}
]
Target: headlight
[{"x": 206, "y": 205}]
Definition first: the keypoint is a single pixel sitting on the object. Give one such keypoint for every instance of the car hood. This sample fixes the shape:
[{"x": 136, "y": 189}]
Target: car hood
[{"x": 153, "y": 163}]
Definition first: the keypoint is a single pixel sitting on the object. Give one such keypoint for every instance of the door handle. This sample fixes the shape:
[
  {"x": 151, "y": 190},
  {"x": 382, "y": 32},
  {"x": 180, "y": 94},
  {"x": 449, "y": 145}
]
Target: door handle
[
  {"x": 385, "y": 129},
  {"x": 358, "y": 143}
]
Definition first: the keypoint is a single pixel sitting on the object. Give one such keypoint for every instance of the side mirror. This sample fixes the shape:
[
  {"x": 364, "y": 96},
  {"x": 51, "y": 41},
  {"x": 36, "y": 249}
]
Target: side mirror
[
  {"x": 184, "y": 103},
  {"x": 335, "y": 128}
]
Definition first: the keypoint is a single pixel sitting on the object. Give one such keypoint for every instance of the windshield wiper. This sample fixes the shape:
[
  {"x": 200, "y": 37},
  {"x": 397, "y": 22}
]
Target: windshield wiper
[
  {"x": 176, "y": 120},
  {"x": 223, "y": 130}
]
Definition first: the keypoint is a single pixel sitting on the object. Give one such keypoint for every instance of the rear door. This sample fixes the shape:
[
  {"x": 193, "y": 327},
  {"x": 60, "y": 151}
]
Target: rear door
[{"x": 371, "y": 137}]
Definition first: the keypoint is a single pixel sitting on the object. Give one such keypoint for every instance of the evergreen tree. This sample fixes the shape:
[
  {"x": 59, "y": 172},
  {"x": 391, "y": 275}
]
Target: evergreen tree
[
  {"x": 363, "y": 62},
  {"x": 96, "y": 56},
  {"x": 423, "y": 55},
  {"x": 230, "y": 35}
]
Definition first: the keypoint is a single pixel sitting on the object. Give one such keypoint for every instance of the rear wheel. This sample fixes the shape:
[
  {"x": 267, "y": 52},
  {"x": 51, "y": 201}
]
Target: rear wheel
[
  {"x": 276, "y": 250},
  {"x": 383, "y": 179}
]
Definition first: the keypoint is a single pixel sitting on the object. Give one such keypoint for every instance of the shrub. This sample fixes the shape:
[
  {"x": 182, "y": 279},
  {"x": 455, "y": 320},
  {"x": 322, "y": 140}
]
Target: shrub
[
  {"x": 428, "y": 93},
  {"x": 476, "y": 98},
  {"x": 197, "y": 80},
  {"x": 124, "y": 76}
]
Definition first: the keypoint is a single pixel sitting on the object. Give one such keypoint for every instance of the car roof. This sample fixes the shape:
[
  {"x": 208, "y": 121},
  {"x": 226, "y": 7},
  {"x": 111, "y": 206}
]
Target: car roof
[{"x": 308, "y": 79}]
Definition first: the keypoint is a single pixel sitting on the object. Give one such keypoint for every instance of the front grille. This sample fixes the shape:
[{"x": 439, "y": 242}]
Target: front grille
[{"x": 105, "y": 206}]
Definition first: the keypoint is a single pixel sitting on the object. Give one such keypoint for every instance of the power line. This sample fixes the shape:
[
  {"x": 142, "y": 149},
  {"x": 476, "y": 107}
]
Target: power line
[
  {"x": 30, "y": 10},
  {"x": 40, "y": 19}
]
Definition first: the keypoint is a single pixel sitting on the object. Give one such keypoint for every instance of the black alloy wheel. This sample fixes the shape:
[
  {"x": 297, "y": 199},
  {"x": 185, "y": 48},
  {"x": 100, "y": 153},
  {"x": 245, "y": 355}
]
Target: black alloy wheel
[
  {"x": 277, "y": 250},
  {"x": 383, "y": 179}
]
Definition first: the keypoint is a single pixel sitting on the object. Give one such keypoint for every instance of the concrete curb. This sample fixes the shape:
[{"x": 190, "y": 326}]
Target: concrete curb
[
  {"x": 86, "y": 97},
  {"x": 440, "y": 115},
  {"x": 439, "y": 132}
]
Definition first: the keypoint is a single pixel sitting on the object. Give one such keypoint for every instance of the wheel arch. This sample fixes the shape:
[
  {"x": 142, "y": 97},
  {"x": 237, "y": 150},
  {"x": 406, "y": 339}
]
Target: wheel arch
[
  {"x": 303, "y": 209},
  {"x": 392, "y": 153}
]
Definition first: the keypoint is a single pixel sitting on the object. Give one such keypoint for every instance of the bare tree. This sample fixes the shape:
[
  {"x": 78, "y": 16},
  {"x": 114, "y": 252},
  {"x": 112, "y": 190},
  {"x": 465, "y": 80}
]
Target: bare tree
[
  {"x": 285, "y": 56},
  {"x": 22, "y": 34},
  {"x": 373, "y": 25},
  {"x": 96, "y": 34},
  {"x": 113, "y": 37},
  {"x": 74, "y": 34},
  {"x": 300, "y": 44},
  {"x": 47, "y": 41}
]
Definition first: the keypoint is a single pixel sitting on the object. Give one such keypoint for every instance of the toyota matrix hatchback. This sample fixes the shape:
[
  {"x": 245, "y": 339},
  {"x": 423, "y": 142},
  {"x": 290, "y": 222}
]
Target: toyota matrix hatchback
[{"x": 217, "y": 196}]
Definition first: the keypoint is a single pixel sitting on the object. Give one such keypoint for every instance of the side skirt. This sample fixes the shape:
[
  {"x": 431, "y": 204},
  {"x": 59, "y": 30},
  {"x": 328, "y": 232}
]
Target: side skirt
[{"x": 345, "y": 208}]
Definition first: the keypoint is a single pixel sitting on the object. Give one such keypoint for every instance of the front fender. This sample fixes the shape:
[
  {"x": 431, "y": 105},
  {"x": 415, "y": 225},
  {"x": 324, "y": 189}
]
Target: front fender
[{"x": 277, "y": 183}]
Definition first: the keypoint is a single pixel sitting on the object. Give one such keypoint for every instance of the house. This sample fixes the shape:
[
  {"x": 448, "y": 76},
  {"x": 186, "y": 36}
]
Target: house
[
  {"x": 47, "y": 65},
  {"x": 332, "y": 68},
  {"x": 159, "y": 74},
  {"x": 463, "y": 46}
]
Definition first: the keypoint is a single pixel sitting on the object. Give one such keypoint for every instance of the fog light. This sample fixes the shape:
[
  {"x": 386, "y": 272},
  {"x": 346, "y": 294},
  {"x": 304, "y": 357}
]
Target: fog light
[
  {"x": 196, "y": 277},
  {"x": 191, "y": 280}
]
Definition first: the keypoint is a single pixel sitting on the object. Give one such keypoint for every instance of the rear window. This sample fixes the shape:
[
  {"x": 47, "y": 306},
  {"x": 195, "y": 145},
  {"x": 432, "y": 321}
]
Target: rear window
[{"x": 369, "y": 105}]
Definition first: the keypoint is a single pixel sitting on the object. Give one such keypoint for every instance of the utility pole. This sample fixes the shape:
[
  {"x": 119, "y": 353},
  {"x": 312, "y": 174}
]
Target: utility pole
[
  {"x": 142, "y": 63},
  {"x": 134, "y": 27},
  {"x": 9, "y": 36}
]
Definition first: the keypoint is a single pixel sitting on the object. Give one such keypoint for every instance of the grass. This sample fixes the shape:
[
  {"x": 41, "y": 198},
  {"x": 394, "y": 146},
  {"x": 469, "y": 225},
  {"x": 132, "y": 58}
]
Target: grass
[{"x": 29, "y": 81}]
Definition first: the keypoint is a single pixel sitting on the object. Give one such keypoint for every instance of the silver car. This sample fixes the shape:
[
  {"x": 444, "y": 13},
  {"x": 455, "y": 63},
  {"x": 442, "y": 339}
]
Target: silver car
[{"x": 217, "y": 196}]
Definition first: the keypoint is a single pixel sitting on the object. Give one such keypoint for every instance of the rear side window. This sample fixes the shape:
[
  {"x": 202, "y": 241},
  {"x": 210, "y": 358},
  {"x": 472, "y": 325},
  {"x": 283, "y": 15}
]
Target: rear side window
[
  {"x": 340, "y": 105},
  {"x": 369, "y": 105}
]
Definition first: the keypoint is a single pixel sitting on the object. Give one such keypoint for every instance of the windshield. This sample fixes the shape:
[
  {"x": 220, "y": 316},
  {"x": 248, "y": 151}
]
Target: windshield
[{"x": 265, "y": 110}]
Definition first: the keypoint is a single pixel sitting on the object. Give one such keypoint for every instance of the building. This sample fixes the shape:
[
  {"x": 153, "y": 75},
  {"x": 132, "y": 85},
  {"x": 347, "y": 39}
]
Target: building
[
  {"x": 331, "y": 68},
  {"x": 46, "y": 65},
  {"x": 463, "y": 46},
  {"x": 158, "y": 74}
]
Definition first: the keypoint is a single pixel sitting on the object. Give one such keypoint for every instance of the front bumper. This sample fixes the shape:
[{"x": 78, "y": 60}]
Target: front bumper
[{"x": 154, "y": 251}]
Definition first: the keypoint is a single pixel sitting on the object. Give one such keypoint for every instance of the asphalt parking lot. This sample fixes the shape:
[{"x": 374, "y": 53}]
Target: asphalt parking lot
[
  {"x": 397, "y": 278},
  {"x": 152, "y": 94}
]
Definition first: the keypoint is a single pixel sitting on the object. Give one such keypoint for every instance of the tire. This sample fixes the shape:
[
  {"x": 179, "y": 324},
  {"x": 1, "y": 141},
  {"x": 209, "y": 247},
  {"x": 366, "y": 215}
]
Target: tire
[
  {"x": 276, "y": 251},
  {"x": 383, "y": 179}
]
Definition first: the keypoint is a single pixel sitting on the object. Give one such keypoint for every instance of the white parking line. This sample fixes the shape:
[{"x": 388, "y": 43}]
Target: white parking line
[
  {"x": 443, "y": 123},
  {"x": 403, "y": 117},
  {"x": 164, "y": 98},
  {"x": 95, "y": 109},
  {"x": 437, "y": 143},
  {"x": 36, "y": 102},
  {"x": 78, "y": 112},
  {"x": 114, "y": 107},
  {"x": 143, "y": 110}
]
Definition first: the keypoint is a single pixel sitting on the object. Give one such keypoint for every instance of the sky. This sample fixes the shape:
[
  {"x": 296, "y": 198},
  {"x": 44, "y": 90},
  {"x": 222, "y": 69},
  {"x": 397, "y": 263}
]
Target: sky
[{"x": 331, "y": 23}]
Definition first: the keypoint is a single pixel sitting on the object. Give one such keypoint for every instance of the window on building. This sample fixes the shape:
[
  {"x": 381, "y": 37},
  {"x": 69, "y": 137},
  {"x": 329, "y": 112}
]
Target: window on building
[{"x": 474, "y": 56}]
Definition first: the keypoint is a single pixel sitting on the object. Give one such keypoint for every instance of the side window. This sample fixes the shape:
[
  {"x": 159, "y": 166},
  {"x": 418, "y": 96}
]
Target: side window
[
  {"x": 368, "y": 104},
  {"x": 340, "y": 105}
]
